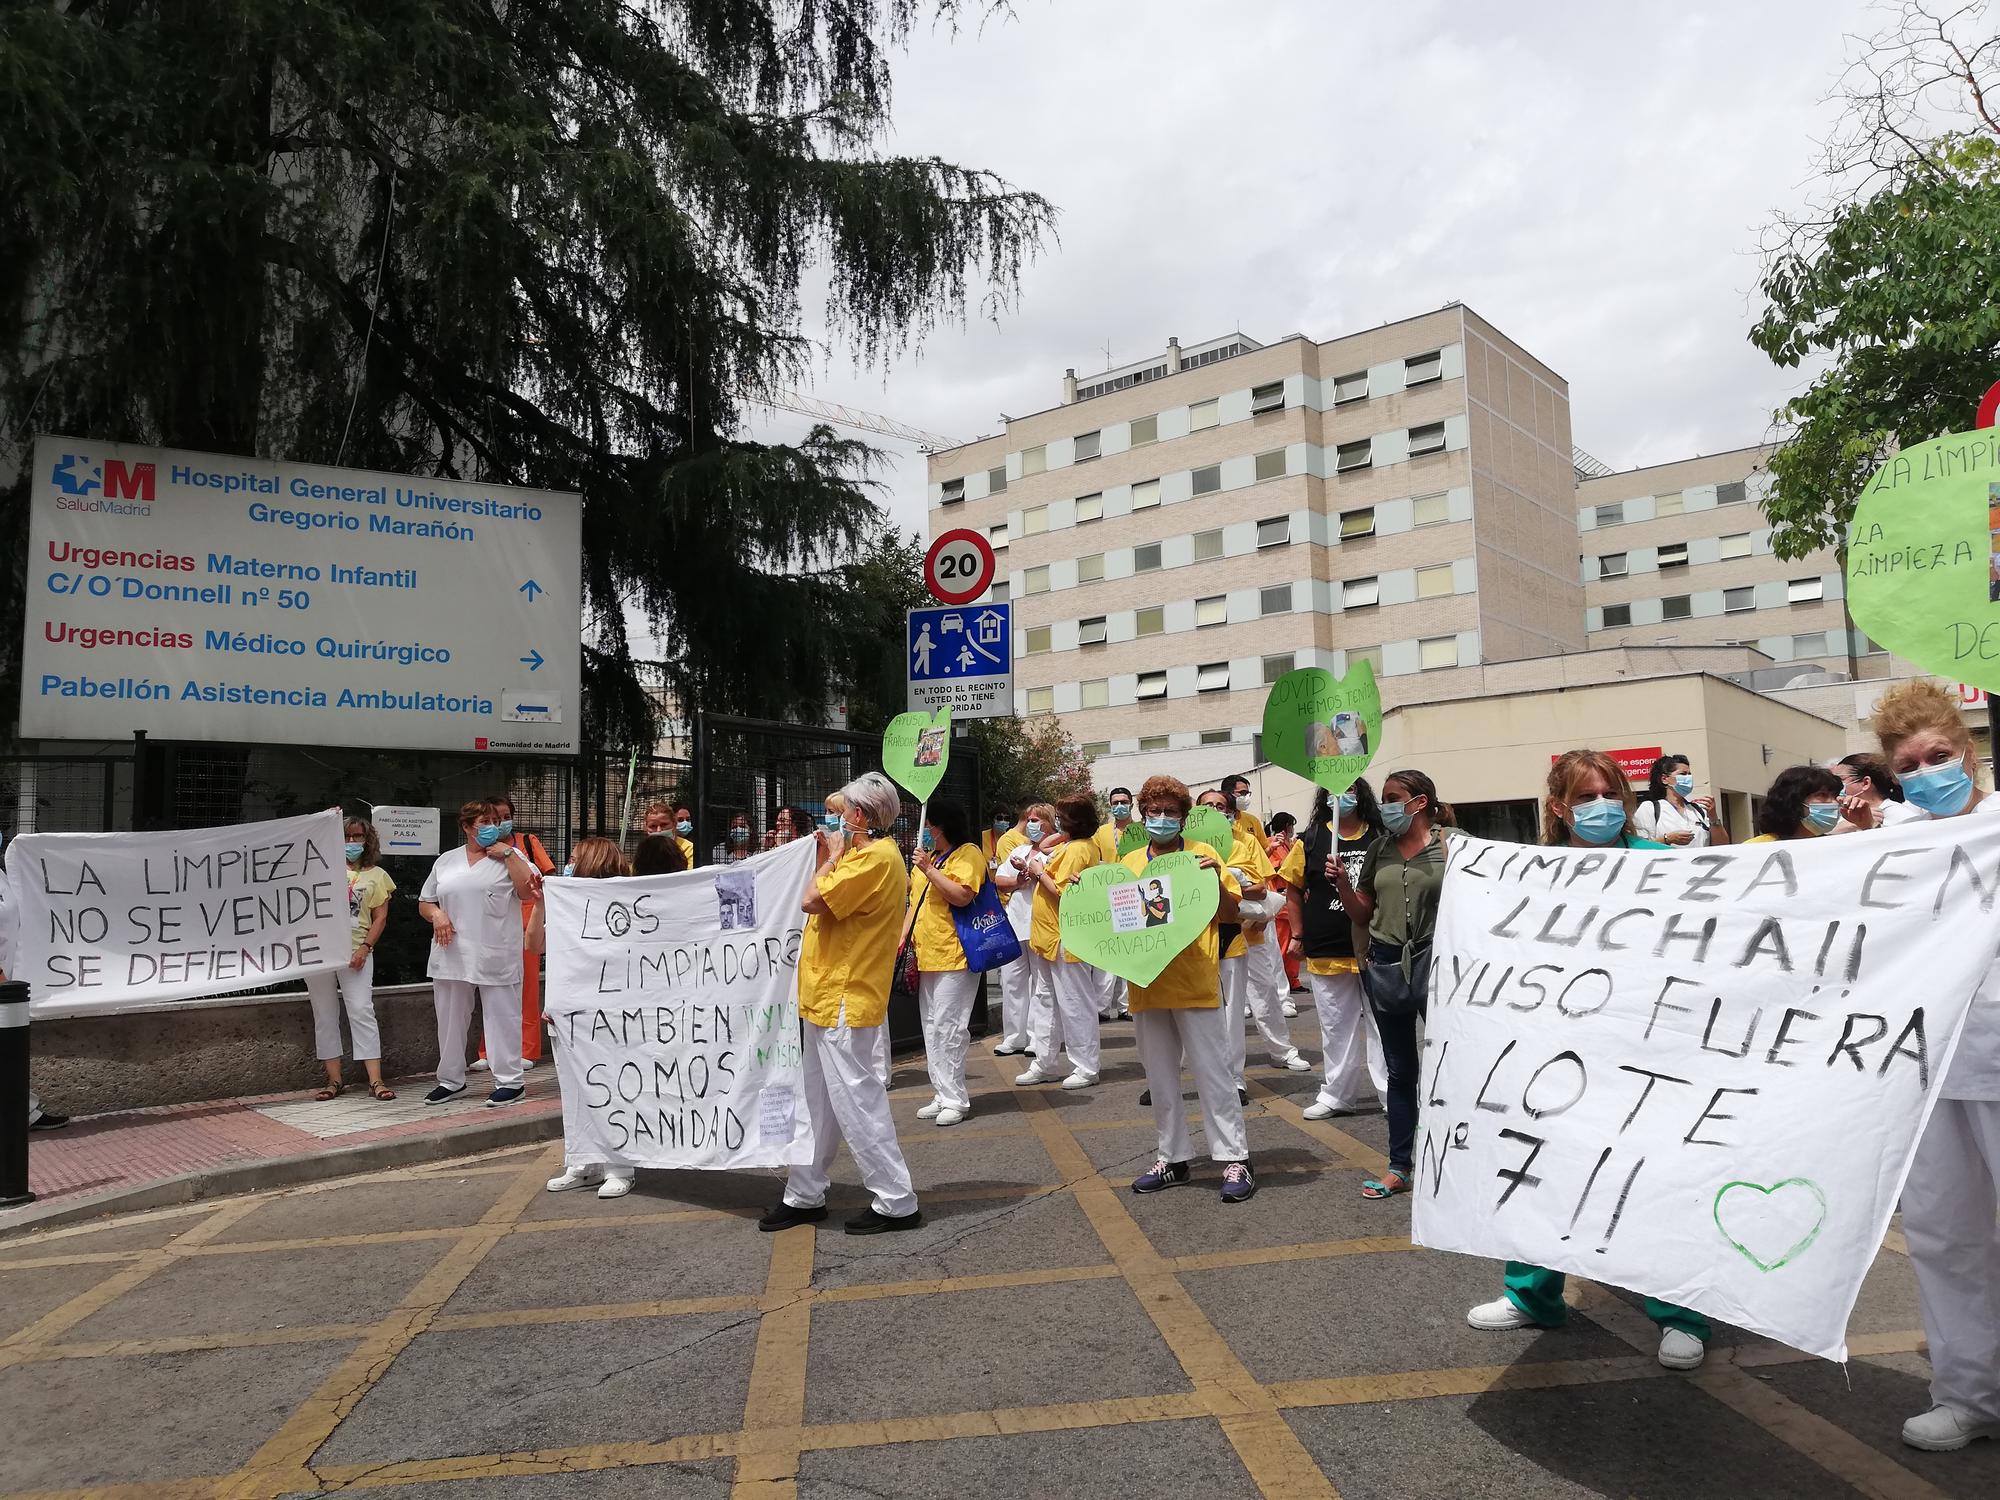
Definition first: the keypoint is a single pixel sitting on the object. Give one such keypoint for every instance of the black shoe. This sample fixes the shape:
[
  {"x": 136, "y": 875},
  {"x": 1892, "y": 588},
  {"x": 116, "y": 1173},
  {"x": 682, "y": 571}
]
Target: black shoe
[
  {"x": 785, "y": 1216},
  {"x": 443, "y": 1095},
  {"x": 1242, "y": 1095},
  {"x": 507, "y": 1093},
  {"x": 47, "y": 1121},
  {"x": 1163, "y": 1175},
  {"x": 870, "y": 1222},
  {"x": 1145, "y": 1097}
]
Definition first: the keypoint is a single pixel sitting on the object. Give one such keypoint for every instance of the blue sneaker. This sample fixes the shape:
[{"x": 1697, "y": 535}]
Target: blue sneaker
[
  {"x": 442, "y": 1094},
  {"x": 1237, "y": 1183},
  {"x": 507, "y": 1093},
  {"x": 1165, "y": 1174}
]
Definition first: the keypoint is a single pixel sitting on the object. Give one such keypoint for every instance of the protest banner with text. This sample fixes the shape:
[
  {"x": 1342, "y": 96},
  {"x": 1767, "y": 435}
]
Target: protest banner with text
[
  {"x": 675, "y": 1005},
  {"x": 1698, "y": 1074},
  {"x": 107, "y": 921}
]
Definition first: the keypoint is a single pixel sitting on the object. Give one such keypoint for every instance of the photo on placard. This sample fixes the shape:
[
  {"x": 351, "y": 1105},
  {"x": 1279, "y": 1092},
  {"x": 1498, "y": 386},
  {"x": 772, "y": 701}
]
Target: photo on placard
[
  {"x": 930, "y": 746},
  {"x": 1993, "y": 544},
  {"x": 736, "y": 899},
  {"x": 1128, "y": 908},
  {"x": 1159, "y": 900}
]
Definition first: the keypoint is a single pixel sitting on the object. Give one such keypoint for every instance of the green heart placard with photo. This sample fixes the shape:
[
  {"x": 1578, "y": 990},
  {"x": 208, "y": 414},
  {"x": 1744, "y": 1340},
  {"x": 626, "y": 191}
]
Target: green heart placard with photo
[
  {"x": 1322, "y": 727},
  {"x": 1205, "y": 825},
  {"x": 1923, "y": 557},
  {"x": 1134, "y": 925},
  {"x": 916, "y": 747}
]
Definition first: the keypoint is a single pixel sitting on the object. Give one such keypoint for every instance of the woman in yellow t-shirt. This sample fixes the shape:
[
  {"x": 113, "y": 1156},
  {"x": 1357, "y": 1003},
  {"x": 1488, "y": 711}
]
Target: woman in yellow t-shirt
[
  {"x": 1803, "y": 803},
  {"x": 1252, "y": 978},
  {"x": 1179, "y": 1018},
  {"x": 368, "y": 890},
  {"x": 854, "y": 908},
  {"x": 947, "y": 873},
  {"x": 1062, "y": 1009}
]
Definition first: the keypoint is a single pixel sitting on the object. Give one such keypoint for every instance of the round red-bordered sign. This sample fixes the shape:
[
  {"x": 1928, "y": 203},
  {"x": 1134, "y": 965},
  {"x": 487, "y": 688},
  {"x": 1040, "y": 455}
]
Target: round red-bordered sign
[{"x": 959, "y": 567}]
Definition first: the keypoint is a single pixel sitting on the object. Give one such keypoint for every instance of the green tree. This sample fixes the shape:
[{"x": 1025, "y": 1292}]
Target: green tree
[
  {"x": 1028, "y": 760},
  {"x": 1892, "y": 286},
  {"x": 556, "y": 243},
  {"x": 882, "y": 583}
]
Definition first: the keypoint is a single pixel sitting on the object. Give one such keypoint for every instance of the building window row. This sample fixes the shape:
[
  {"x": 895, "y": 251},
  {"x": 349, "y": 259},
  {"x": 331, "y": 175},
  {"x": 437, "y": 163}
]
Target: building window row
[
  {"x": 1742, "y": 599},
  {"x": 1658, "y": 507},
  {"x": 1668, "y": 555},
  {"x": 1243, "y": 674}
]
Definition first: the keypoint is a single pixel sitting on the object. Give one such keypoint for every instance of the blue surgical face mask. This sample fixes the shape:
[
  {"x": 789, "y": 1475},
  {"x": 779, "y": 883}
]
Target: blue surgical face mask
[
  {"x": 354, "y": 852},
  {"x": 1598, "y": 821},
  {"x": 1001, "y": 825},
  {"x": 568, "y": 870},
  {"x": 506, "y": 827},
  {"x": 684, "y": 828},
  {"x": 832, "y": 822},
  {"x": 739, "y": 835},
  {"x": 1684, "y": 784},
  {"x": 1122, "y": 811},
  {"x": 1821, "y": 816},
  {"x": 928, "y": 842},
  {"x": 1033, "y": 829},
  {"x": 1941, "y": 791},
  {"x": 1347, "y": 802},
  {"x": 1162, "y": 826},
  {"x": 1396, "y": 818},
  {"x": 488, "y": 834}
]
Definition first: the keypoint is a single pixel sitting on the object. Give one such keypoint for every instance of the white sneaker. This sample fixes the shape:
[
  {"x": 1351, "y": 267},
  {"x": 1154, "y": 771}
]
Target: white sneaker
[
  {"x": 1319, "y": 1111},
  {"x": 1297, "y": 1064},
  {"x": 1946, "y": 1429},
  {"x": 1080, "y": 1080},
  {"x": 1289, "y": 1010},
  {"x": 950, "y": 1116},
  {"x": 1035, "y": 1075},
  {"x": 528, "y": 1062},
  {"x": 1499, "y": 1313},
  {"x": 615, "y": 1187},
  {"x": 1680, "y": 1350},
  {"x": 930, "y": 1110},
  {"x": 575, "y": 1177},
  {"x": 479, "y": 1065}
]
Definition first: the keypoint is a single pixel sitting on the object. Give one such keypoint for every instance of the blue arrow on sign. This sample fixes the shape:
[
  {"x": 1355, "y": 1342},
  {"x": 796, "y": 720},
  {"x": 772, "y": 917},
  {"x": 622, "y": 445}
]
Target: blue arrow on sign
[
  {"x": 531, "y": 588},
  {"x": 534, "y": 658}
]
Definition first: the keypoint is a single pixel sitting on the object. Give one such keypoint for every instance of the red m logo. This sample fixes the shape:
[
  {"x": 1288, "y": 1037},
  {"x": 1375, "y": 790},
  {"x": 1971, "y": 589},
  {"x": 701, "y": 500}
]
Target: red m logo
[{"x": 123, "y": 483}]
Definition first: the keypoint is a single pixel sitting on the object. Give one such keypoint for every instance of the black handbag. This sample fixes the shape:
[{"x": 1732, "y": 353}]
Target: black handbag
[{"x": 1397, "y": 978}]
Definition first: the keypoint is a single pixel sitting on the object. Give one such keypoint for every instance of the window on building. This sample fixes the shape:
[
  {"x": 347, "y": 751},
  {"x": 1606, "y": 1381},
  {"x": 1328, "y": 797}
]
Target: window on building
[
  {"x": 1274, "y": 531},
  {"x": 1038, "y": 639},
  {"x": 954, "y": 490},
  {"x": 1091, "y": 631},
  {"x": 996, "y": 480},
  {"x": 1735, "y": 546},
  {"x": 1202, "y": 414},
  {"x": 1146, "y": 557},
  {"x": 1359, "y": 593},
  {"x": 1153, "y": 744},
  {"x": 1348, "y": 388},
  {"x": 999, "y": 592},
  {"x": 1866, "y": 647},
  {"x": 1420, "y": 369},
  {"x": 1275, "y": 600},
  {"x": 1088, "y": 446},
  {"x": 1145, "y": 430},
  {"x": 1430, "y": 510},
  {"x": 1351, "y": 456},
  {"x": 1146, "y": 494},
  {"x": 1212, "y": 677},
  {"x": 1097, "y": 693},
  {"x": 1034, "y": 520},
  {"x": 1271, "y": 465},
  {"x": 1034, "y": 460},
  {"x": 1427, "y": 439},
  {"x": 1812, "y": 644},
  {"x": 1357, "y": 523},
  {"x": 1207, "y": 545},
  {"x": 1151, "y": 685},
  {"x": 1207, "y": 481},
  {"x": 1041, "y": 700},
  {"x": 1370, "y": 654},
  {"x": 1805, "y": 590},
  {"x": 1265, "y": 398},
  {"x": 1217, "y": 736},
  {"x": 1438, "y": 651},
  {"x": 1669, "y": 505},
  {"x": 1730, "y": 493},
  {"x": 1612, "y": 514},
  {"x": 1674, "y": 555},
  {"x": 996, "y": 536},
  {"x": 1611, "y": 565},
  {"x": 1434, "y": 583},
  {"x": 1736, "y": 601},
  {"x": 1277, "y": 666},
  {"x": 1214, "y": 610},
  {"x": 1617, "y": 616},
  {"x": 1090, "y": 568},
  {"x": 1035, "y": 580},
  {"x": 1676, "y": 607},
  {"x": 1092, "y": 749},
  {"x": 1151, "y": 620},
  {"x": 1089, "y": 508}
]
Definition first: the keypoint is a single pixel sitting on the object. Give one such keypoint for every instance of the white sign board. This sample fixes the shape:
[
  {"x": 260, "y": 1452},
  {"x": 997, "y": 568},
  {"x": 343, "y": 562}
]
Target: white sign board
[
  {"x": 674, "y": 1000},
  {"x": 405, "y": 830},
  {"x": 106, "y": 921},
  {"x": 1698, "y": 1074},
  {"x": 961, "y": 657},
  {"x": 201, "y": 596}
]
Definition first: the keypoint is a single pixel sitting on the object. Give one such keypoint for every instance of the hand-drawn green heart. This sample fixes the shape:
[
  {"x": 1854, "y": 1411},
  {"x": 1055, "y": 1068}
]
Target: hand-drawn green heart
[
  {"x": 915, "y": 749},
  {"x": 1322, "y": 727},
  {"x": 1781, "y": 1225},
  {"x": 1133, "y": 838},
  {"x": 1923, "y": 577},
  {"x": 1205, "y": 825},
  {"x": 1168, "y": 907}
]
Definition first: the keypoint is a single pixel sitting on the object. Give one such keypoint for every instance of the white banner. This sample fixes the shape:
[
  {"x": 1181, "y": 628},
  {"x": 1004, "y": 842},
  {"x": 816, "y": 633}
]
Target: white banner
[
  {"x": 1698, "y": 1074},
  {"x": 106, "y": 921},
  {"x": 675, "y": 1005}
]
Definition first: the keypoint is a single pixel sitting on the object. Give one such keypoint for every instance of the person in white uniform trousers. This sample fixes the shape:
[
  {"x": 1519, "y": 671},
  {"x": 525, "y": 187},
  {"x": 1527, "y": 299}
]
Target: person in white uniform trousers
[
  {"x": 472, "y": 899},
  {"x": 1671, "y": 813},
  {"x": 351, "y": 986},
  {"x": 1062, "y": 1013},
  {"x": 1244, "y": 992},
  {"x": 1953, "y": 1191},
  {"x": 854, "y": 910},
  {"x": 1011, "y": 853},
  {"x": 946, "y": 875},
  {"x": 1333, "y": 849}
]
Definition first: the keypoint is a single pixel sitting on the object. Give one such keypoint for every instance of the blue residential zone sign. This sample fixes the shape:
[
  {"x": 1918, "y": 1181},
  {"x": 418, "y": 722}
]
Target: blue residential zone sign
[{"x": 962, "y": 657}]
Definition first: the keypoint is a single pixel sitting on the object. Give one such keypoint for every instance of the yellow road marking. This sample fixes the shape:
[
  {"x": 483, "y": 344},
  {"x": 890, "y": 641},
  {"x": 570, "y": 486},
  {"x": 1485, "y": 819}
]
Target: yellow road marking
[{"x": 767, "y": 1461}]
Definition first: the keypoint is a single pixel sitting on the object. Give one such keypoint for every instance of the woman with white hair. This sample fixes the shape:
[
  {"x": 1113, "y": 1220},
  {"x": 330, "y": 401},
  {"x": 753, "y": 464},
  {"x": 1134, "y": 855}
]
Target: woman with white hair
[{"x": 855, "y": 911}]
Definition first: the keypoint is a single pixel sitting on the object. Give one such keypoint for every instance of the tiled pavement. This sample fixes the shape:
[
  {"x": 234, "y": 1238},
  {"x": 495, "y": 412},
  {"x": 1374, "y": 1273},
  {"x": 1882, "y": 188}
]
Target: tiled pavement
[{"x": 455, "y": 1330}]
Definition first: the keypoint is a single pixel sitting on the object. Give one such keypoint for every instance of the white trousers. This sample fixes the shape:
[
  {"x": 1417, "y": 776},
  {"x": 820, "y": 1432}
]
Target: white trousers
[
  {"x": 1199, "y": 1038},
  {"x": 845, "y": 1100},
  {"x": 1062, "y": 1014},
  {"x": 1016, "y": 981},
  {"x": 1948, "y": 1221},
  {"x": 945, "y": 1001},
  {"x": 1110, "y": 994},
  {"x": 572, "y": 1107},
  {"x": 1351, "y": 1048},
  {"x": 500, "y": 1015},
  {"x": 1257, "y": 999},
  {"x": 356, "y": 991}
]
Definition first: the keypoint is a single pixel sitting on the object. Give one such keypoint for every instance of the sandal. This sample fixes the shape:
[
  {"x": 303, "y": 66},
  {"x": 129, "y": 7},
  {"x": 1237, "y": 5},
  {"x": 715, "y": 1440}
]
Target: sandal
[
  {"x": 381, "y": 1090},
  {"x": 330, "y": 1091},
  {"x": 1386, "y": 1186}
]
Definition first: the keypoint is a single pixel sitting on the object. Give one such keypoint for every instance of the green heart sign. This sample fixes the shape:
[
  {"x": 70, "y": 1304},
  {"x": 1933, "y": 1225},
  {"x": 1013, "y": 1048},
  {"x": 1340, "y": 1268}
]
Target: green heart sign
[
  {"x": 1132, "y": 839},
  {"x": 1205, "y": 825},
  {"x": 1322, "y": 727},
  {"x": 1923, "y": 557},
  {"x": 1133, "y": 925},
  {"x": 1770, "y": 1226},
  {"x": 915, "y": 750}
]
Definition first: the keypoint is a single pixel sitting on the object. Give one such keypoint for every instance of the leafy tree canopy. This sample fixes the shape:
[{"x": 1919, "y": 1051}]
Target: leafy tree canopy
[{"x": 1027, "y": 760}]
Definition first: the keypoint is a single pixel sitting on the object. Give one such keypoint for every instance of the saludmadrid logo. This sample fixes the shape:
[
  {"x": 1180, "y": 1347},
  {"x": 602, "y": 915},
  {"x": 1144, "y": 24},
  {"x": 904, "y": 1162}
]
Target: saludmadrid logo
[{"x": 106, "y": 487}]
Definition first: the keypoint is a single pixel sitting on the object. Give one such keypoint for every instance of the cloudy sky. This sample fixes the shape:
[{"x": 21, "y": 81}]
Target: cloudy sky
[{"x": 1591, "y": 178}]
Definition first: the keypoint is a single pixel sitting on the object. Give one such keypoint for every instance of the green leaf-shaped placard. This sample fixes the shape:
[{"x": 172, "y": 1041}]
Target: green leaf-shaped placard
[
  {"x": 915, "y": 750},
  {"x": 1205, "y": 825},
  {"x": 1133, "y": 925},
  {"x": 1324, "y": 728},
  {"x": 1923, "y": 557},
  {"x": 1132, "y": 839}
]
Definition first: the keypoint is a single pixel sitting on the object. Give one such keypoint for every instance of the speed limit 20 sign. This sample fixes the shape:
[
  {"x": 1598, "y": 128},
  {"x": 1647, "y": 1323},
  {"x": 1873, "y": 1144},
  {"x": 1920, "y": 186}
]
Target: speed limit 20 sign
[{"x": 959, "y": 567}]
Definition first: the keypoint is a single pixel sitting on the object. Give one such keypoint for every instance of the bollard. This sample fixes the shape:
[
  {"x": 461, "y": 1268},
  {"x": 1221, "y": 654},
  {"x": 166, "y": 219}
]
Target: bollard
[{"x": 14, "y": 1094}]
